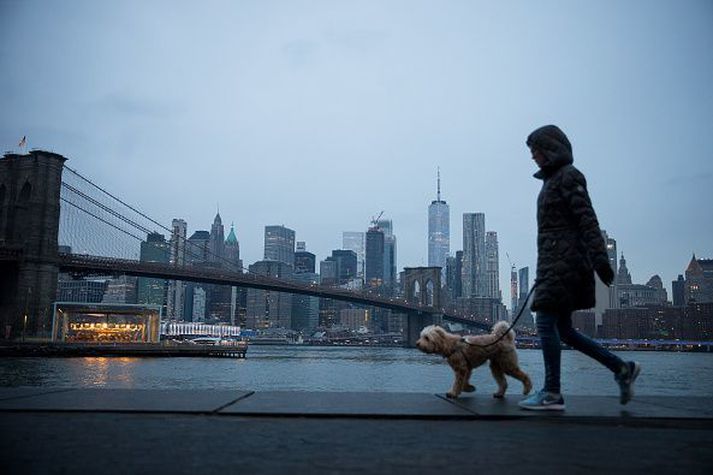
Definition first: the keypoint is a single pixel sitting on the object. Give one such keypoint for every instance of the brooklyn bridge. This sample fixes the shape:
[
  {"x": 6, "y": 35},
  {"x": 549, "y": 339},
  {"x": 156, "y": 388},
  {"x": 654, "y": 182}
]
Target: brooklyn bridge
[{"x": 43, "y": 201}]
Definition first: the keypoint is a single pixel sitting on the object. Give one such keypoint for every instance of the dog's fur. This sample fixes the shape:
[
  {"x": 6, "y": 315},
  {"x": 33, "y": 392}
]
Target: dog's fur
[{"x": 463, "y": 355}]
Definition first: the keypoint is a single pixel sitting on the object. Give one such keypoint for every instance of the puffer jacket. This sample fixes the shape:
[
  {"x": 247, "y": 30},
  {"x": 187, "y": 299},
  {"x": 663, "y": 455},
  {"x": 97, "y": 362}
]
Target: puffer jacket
[{"x": 570, "y": 244}]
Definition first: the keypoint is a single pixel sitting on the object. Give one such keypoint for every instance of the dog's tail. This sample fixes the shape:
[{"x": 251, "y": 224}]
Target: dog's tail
[{"x": 501, "y": 327}]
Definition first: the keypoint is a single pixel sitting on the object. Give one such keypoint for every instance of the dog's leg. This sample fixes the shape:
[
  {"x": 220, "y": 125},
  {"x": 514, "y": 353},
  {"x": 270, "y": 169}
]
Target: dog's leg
[
  {"x": 499, "y": 376},
  {"x": 468, "y": 388},
  {"x": 522, "y": 376},
  {"x": 460, "y": 368}
]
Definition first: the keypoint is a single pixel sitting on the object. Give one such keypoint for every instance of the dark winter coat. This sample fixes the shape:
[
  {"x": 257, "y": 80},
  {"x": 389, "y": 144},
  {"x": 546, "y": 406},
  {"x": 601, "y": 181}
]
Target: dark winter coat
[{"x": 569, "y": 242}]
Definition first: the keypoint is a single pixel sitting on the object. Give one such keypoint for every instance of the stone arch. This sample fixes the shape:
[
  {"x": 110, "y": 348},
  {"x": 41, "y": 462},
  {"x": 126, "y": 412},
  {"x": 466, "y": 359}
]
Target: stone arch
[
  {"x": 429, "y": 291},
  {"x": 25, "y": 192},
  {"x": 416, "y": 291},
  {"x": 423, "y": 279}
]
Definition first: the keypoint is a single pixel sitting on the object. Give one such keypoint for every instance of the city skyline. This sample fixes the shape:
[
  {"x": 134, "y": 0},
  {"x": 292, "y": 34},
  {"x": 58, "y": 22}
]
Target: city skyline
[
  {"x": 319, "y": 121},
  {"x": 503, "y": 279}
]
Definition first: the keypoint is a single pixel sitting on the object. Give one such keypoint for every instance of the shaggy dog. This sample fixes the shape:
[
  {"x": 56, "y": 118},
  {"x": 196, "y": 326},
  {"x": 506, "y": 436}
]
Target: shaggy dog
[{"x": 465, "y": 353}]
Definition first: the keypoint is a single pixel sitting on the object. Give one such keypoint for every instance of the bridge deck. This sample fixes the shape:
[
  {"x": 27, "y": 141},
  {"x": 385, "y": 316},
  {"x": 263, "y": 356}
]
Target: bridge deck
[{"x": 190, "y": 431}]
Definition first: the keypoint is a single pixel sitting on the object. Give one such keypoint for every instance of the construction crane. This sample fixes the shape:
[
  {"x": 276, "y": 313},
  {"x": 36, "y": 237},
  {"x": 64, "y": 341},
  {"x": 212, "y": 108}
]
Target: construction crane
[
  {"x": 512, "y": 265},
  {"x": 375, "y": 221}
]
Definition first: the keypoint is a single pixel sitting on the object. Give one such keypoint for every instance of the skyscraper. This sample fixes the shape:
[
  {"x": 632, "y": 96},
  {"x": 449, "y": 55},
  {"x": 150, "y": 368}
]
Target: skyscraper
[
  {"x": 374, "y": 268},
  {"x": 280, "y": 244},
  {"x": 216, "y": 243},
  {"x": 234, "y": 264},
  {"x": 305, "y": 262},
  {"x": 454, "y": 276},
  {"x": 198, "y": 248},
  {"x": 328, "y": 272},
  {"x": 514, "y": 295},
  {"x": 305, "y": 308},
  {"x": 678, "y": 289},
  {"x": 526, "y": 318},
  {"x": 611, "y": 251},
  {"x": 153, "y": 291},
  {"x": 439, "y": 235},
  {"x": 474, "y": 282},
  {"x": 346, "y": 265},
  {"x": 492, "y": 265},
  {"x": 268, "y": 308},
  {"x": 606, "y": 297},
  {"x": 623, "y": 277},
  {"x": 232, "y": 251},
  {"x": 177, "y": 257},
  {"x": 387, "y": 226},
  {"x": 355, "y": 241}
]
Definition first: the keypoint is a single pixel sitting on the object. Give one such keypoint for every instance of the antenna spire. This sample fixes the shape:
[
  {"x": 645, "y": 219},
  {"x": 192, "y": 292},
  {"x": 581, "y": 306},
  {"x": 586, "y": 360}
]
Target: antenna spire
[{"x": 439, "y": 184}]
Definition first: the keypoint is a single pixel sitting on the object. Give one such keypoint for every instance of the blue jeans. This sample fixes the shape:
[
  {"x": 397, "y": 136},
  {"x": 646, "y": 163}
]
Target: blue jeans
[{"x": 552, "y": 328}]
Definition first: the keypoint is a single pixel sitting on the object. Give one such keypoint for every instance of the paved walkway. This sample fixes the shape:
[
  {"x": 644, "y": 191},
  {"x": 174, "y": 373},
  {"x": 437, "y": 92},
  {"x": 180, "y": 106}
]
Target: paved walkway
[{"x": 201, "y": 431}]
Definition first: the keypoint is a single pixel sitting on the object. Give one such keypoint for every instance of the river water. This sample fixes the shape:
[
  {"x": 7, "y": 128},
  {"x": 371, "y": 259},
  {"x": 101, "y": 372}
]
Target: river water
[{"x": 309, "y": 368}]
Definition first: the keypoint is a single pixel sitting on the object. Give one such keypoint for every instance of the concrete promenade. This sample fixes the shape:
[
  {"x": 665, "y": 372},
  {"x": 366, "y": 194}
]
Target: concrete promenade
[{"x": 45, "y": 430}]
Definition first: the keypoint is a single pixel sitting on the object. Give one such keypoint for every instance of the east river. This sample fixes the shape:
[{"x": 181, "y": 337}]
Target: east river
[{"x": 309, "y": 368}]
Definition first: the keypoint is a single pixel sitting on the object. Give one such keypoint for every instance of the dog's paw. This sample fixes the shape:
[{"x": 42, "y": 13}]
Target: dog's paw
[
  {"x": 498, "y": 395},
  {"x": 451, "y": 395},
  {"x": 469, "y": 388}
]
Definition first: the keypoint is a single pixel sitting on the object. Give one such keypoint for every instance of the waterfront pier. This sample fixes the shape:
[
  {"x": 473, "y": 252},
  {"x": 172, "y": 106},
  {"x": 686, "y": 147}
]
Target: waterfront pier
[{"x": 51, "y": 349}]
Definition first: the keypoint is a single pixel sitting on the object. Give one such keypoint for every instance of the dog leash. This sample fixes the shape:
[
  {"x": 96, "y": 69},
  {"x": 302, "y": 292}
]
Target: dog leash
[{"x": 512, "y": 325}]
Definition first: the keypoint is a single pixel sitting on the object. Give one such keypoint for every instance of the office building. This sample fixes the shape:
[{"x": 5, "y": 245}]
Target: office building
[
  {"x": 82, "y": 290},
  {"x": 216, "y": 241},
  {"x": 439, "y": 235},
  {"x": 623, "y": 277},
  {"x": 121, "y": 290},
  {"x": 346, "y": 261},
  {"x": 177, "y": 257},
  {"x": 268, "y": 308},
  {"x": 514, "y": 293},
  {"x": 524, "y": 284},
  {"x": 153, "y": 291},
  {"x": 387, "y": 226},
  {"x": 474, "y": 282},
  {"x": 355, "y": 241},
  {"x": 374, "y": 258},
  {"x": 699, "y": 281},
  {"x": 305, "y": 262},
  {"x": 280, "y": 244},
  {"x": 198, "y": 248},
  {"x": 305, "y": 308},
  {"x": 232, "y": 261},
  {"x": 454, "y": 276},
  {"x": 492, "y": 266},
  {"x": 678, "y": 289},
  {"x": 328, "y": 272}
]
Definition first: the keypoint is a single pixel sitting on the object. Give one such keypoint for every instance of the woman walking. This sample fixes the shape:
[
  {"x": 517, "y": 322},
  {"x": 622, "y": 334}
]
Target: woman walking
[{"x": 570, "y": 248}]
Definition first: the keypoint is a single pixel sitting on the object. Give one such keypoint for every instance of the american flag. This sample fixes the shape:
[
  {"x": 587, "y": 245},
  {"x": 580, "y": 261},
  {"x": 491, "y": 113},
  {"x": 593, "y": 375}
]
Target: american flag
[{"x": 23, "y": 141}]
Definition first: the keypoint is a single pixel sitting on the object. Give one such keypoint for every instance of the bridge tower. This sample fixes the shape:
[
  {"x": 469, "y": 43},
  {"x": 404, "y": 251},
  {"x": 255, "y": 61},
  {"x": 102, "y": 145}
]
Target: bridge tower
[
  {"x": 422, "y": 285},
  {"x": 29, "y": 224}
]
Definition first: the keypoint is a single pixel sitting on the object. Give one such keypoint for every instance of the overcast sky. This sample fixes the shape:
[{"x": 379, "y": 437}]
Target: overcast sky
[{"x": 318, "y": 115}]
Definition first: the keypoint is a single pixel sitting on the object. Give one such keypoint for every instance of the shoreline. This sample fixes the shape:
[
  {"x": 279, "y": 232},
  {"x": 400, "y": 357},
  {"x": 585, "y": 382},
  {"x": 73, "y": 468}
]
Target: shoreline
[{"x": 71, "y": 350}]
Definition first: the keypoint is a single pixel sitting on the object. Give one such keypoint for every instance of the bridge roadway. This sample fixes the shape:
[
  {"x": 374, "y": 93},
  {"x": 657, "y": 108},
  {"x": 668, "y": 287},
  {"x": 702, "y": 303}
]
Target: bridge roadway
[
  {"x": 71, "y": 430},
  {"x": 80, "y": 263}
]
